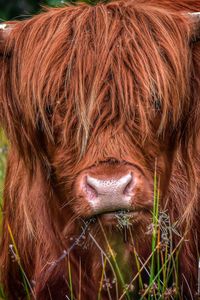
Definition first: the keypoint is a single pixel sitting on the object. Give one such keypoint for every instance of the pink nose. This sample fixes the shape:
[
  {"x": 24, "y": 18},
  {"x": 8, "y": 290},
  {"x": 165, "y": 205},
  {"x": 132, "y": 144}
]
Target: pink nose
[{"x": 108, "y": 194}]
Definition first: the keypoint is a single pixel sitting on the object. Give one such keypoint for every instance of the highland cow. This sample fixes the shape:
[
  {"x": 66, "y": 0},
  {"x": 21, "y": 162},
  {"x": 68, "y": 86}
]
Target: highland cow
[{"x": 94, "y": 100}]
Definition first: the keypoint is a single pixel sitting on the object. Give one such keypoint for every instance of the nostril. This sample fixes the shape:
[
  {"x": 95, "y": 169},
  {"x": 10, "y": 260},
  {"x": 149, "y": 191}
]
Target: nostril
[
  {"x": 89, "y": 189},
  {"x": 129, "y": 185}
]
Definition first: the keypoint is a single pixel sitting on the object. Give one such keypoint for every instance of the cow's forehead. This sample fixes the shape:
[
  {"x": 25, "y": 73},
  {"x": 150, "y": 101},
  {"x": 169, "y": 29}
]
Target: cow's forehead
[{"x": 104, "y": 64}]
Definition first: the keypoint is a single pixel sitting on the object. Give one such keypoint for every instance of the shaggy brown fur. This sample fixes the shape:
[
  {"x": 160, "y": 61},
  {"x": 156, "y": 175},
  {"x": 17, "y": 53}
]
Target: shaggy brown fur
[{"x": 80, "y": 85}]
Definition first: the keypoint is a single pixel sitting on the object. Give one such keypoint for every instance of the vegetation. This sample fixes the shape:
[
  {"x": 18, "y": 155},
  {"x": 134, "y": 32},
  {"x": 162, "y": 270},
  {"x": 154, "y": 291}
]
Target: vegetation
[{"x": 22, "y": 9}]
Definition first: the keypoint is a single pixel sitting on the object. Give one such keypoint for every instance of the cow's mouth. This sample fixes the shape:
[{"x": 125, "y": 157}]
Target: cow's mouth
[{"x": 121, "y": 217}]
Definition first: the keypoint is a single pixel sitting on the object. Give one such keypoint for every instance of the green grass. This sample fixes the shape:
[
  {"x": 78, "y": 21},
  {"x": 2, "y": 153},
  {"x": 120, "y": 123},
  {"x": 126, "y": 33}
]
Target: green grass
[{"x": 162, "y": 264}]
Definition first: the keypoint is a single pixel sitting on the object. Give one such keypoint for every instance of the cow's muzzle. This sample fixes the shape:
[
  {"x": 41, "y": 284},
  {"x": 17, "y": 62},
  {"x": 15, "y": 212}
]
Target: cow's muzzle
[{"x": 113, "y": 189}]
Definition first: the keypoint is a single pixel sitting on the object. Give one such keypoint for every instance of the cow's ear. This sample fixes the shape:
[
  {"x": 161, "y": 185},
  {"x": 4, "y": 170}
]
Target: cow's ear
[
  {"x": 5, "y": 34},
  {"x": 5, "y": 52},
  {"x": 195, "y": 19},
  {"x": 195, "y": 71},
  {"x": 7, "y": 42},
  {"x": 6, "y": 48},
  {"x": 192, "y": 122},
  {"x": 22, "y": 132}
]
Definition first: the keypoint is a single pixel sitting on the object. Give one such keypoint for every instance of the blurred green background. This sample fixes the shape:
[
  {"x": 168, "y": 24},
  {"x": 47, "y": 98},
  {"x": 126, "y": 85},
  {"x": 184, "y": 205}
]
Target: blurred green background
[{"x": 19, "y": 9}]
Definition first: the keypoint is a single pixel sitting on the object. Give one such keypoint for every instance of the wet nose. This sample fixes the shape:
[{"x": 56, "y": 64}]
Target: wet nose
[{"x": 109, "y": 194}]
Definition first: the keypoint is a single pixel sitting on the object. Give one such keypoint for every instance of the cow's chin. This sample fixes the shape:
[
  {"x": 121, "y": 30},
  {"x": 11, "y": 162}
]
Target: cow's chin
[{"x": 123, "y": 231}]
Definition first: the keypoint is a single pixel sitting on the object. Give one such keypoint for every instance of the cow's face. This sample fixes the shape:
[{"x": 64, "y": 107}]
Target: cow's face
[
  {"x": 115, "y": 175},
  {"x": 103, "y": 98},
  {"x": 119, "y": 114}
]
